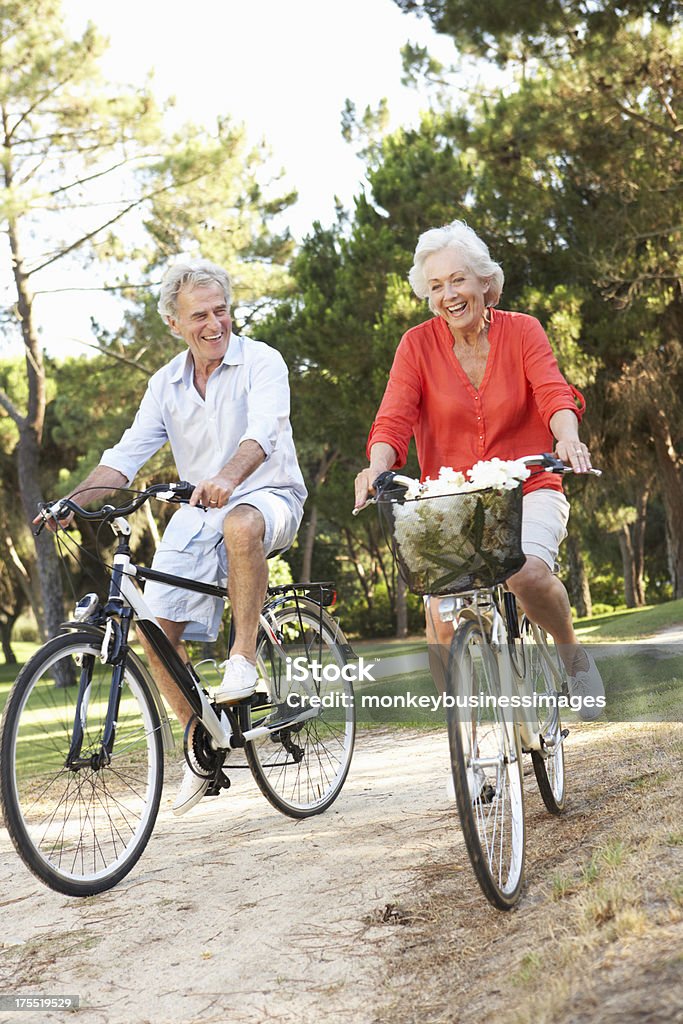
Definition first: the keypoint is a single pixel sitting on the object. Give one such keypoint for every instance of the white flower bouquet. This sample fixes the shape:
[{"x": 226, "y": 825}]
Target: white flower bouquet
[{"x": 460, "y": 531}]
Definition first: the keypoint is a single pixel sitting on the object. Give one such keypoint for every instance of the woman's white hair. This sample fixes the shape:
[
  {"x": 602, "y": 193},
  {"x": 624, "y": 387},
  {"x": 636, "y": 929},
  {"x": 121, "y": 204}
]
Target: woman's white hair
[
  {"x": 474, "y": 251},
  {"x": 197, "y": 274}
]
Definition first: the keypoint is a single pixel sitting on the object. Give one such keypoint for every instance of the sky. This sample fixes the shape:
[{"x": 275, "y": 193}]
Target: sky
[{"x": 283, "y": 67}]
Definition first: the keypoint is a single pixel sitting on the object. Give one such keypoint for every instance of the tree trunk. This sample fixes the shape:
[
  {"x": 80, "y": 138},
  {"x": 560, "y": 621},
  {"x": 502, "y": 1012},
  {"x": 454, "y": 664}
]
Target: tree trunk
[
  {"x": 360, "y": 572},
  {"x": 327, "y": 460},
  {"x": 28, "y": 448},
  {"x": 19, "y": 572},
  {"x": 46, "y": 558},
  {"x": 638, "y": 542},
  {"x": 151, "y": 523},
  {"x": 671, "y": 484},
  {"x": 628, "y": 566},
  {"x": 579, "y": 588},
  {"x": 309, "y": 543},
  {"x": 401, "y": 608},
  {"x": 6, "y": 626},
  {"x": 47, "y": 562}
]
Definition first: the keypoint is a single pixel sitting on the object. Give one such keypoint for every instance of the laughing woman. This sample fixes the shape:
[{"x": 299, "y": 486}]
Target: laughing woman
[{"x": 475, "y": 383}]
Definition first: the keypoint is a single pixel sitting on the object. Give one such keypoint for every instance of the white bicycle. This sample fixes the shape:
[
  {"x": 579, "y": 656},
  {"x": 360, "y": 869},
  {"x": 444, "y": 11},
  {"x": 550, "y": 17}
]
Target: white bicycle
[
  {"x": 504, "y": 678},
  {"x": 84, "y": 729}
]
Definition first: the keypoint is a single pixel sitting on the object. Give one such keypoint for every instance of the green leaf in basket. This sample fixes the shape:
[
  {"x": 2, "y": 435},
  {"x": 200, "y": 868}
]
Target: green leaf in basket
[
  {"x": 478, "y": 524},
  {"x": 450, "y": 577},
  {"x": 445, "y": 561}
]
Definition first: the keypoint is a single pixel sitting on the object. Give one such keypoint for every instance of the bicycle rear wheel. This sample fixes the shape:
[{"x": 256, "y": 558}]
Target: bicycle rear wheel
[
  {"x": 546, "y": 672},
  {"x": 301, "y": 768},
  {"x": 79, "y": 826},
  {"x": 487, "y": 768}
]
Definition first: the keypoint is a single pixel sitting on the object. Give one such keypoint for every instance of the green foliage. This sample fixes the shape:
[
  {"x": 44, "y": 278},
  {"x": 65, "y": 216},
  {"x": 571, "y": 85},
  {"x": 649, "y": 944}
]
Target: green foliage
[
  {"x": 279, "y": 572},
  {"x": 537, "y": 28}
]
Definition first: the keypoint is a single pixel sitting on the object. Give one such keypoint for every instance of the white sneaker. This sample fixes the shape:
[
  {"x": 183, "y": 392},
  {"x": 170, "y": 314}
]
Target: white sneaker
[
  {"x": 587, "y": 684},
  {"x": 192, "y": 788},
  {"x": 239, "y": 680}
]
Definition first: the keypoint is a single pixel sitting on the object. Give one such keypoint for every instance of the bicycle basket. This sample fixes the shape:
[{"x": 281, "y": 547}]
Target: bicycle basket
[{"x": 452, "y": 543}]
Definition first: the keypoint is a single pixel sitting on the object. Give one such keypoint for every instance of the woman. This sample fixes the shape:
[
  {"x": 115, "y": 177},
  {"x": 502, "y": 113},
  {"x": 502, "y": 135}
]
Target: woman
[{"x": 474, "y": 383}]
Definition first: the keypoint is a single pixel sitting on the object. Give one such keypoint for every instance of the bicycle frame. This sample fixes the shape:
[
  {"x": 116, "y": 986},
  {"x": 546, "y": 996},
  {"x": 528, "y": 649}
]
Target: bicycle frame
[
  {"x": 501, "y": 628},
  {"x": 125, "y": 602}
]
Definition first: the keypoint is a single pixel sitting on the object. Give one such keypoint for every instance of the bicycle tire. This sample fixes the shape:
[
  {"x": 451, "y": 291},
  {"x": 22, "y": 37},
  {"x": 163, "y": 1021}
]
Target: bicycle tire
[
  {"x": 487, "y": 768},
  {"x": 301, "y": 770},
  {"x": 81, "y": 829},
  {"x": 543, "y": 662}
]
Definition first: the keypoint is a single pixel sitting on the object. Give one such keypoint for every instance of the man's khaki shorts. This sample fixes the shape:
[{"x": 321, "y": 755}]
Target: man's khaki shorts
[{"x": 202, "y": 557}]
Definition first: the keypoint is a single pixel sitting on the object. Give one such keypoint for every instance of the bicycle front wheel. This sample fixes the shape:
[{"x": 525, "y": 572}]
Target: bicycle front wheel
[
  {"x": 546, "y": 673},
  {"x": 78, "y": 823},
  {"x": 487, "y": 768},
  {"x": 301, "y": 768}
]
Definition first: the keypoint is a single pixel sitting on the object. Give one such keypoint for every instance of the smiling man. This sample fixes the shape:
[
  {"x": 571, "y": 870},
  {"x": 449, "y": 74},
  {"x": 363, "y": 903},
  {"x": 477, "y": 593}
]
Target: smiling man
[{"x": 223, "y": 405}]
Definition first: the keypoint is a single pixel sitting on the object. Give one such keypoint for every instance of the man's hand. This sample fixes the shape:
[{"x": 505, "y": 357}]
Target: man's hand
[
  {"x": 214, "y": 492},
  {"x": 54, "y": 524}
]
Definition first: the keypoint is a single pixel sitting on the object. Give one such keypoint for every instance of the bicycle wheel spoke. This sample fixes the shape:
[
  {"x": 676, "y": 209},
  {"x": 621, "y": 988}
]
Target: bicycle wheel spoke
[
  {"x": 545, "y": 675},
  {"x": 308, "y": 770}
]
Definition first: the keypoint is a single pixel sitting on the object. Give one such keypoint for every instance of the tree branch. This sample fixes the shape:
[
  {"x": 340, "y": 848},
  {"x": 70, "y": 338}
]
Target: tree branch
[
  {"x": 99, "y": 174},
  {"x": 100, "y": 288},
  {"x": 131, "y": 206},
  {"x": 115, "y": 355},
  {"x": 38, "y": 101},
  {"x": 11, "y": 409}
]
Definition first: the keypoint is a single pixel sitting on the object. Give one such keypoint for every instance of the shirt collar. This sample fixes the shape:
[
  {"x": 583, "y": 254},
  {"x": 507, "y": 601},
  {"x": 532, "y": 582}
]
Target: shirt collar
[{"x": 182, "y": 366}]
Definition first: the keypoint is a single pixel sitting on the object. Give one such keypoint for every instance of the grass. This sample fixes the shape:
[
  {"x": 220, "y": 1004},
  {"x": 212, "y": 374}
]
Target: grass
[
  {"x": 529, "y": 967},
  {"x": 631, "y": 623},
  {"x": 640, "y": 686}
]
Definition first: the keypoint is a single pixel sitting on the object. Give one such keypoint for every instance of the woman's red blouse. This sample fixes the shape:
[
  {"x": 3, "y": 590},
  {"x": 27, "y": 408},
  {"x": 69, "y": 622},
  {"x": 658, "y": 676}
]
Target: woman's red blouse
[{"x": 454, "y": 423}]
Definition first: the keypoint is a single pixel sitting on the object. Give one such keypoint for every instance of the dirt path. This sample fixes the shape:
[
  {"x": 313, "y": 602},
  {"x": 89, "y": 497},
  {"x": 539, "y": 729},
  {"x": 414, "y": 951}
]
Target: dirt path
[{"x": 369, "y": 913}]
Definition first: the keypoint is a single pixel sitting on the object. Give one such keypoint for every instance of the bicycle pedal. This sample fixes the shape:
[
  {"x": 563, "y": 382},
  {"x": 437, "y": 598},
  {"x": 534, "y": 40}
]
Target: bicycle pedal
[{"x": 221, "y": 781}]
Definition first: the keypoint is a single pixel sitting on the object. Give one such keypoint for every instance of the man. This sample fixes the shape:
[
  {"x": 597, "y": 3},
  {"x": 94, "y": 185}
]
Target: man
[{"x": 223, "y": 405}]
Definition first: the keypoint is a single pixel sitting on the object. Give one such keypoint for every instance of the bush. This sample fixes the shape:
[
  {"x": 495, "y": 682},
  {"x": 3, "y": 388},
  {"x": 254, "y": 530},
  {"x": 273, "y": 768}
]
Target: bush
[
  {"x": 26, "y": 629},
  {"x": 600, "y": 608}
]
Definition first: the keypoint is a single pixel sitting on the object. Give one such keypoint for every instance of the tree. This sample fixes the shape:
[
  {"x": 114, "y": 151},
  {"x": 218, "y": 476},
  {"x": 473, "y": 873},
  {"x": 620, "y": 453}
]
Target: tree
[
  {"x": 578, "y": 182},
  {"x": 71, "y": 145},
  {"x": 62, "y": 132},
  {"x": 541, "y": 30}
]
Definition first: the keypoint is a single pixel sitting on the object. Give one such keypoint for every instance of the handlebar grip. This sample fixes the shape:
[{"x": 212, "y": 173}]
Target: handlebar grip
[{"x": 182, "y": 489}]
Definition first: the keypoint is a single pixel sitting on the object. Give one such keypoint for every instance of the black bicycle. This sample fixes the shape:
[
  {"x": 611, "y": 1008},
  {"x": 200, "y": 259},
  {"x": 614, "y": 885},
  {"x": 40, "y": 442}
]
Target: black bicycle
[{"x": 84, "y": 729}]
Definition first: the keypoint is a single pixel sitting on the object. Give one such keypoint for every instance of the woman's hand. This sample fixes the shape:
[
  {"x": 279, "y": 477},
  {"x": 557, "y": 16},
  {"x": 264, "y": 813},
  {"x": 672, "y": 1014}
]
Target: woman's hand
[
  {"x": 574, "y": 453},
  {"x": 382, "y": 458},
  {"x": 363, "y": 486}
]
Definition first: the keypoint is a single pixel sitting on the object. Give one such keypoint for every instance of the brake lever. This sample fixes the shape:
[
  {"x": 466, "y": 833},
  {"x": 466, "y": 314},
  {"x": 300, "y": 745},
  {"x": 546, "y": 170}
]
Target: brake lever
[
  {"x": 372, "y": 500},
  {"x": 48, "y": 511}
]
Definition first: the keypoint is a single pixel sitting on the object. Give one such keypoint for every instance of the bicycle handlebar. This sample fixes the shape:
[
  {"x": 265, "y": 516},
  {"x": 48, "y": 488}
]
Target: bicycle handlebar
[
  {"x": 179, "y": 492},
  {"x": 547, "y": 461}
]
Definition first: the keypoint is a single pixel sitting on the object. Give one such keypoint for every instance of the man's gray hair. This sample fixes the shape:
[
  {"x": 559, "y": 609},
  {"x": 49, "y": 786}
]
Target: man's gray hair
[
  {"x": 474, "y": 251},
  {"x": 190, "y": 275}
]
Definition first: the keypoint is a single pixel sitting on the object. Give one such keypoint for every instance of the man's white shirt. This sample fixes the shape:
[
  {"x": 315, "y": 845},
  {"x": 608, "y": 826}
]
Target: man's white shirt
[{"x": 247, "y": 398}]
